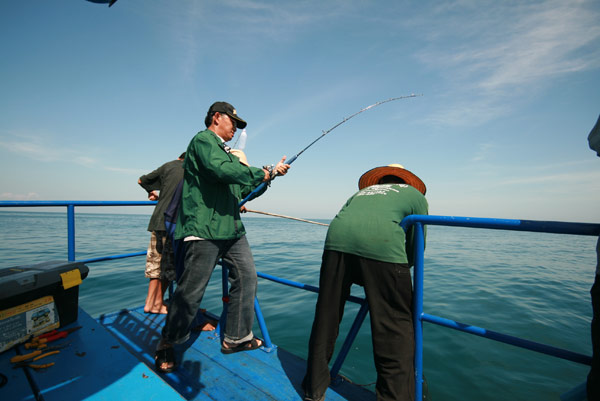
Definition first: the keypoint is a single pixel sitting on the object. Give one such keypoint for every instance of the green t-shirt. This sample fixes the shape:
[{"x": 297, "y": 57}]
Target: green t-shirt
[{"x": 369, "y": 223}]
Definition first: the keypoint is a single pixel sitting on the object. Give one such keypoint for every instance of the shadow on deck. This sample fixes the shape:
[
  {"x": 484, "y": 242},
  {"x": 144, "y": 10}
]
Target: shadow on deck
[{"x": 205, "y": 373}]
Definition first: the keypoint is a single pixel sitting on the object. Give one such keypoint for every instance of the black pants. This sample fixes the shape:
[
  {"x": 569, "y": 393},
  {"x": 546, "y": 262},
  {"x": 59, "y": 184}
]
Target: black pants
[
  {"x": 388, "y": 289},
  {"x": 593, "y": 379}
]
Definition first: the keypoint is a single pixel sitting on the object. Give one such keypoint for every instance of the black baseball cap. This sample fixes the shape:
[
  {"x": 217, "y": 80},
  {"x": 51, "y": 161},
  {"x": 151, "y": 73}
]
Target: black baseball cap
[{"x": 224, "y": 107}]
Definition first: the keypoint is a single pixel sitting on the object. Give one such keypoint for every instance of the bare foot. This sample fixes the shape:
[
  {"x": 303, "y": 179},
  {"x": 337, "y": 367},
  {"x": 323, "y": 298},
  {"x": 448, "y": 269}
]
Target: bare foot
[
  {"x": 158, "y": 311},
  {"x": 209, "y": 325}
]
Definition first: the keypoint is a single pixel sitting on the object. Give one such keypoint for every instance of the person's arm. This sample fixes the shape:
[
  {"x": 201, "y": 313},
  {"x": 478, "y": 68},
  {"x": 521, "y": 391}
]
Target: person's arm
[
  {"x": 281, "y": 167},
  {"x": 246, "y": 189},
  {"x": 219, "y": 166},
  {"x": 151, "y": 181}
]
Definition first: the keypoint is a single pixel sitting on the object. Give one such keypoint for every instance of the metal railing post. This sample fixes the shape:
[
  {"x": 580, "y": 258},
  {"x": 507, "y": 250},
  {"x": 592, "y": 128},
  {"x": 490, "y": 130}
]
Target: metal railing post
[
  {"x": 418, "y": 308},
  {"x": 263, "y": 326},
  {"x": 71, "y": 232},
  {"x": 358, "y": 321}
]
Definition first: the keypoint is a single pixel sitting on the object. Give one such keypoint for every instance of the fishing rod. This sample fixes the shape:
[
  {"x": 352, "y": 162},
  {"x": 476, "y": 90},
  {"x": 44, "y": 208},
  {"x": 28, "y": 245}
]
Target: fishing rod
[{"x": 254, "y": 193}]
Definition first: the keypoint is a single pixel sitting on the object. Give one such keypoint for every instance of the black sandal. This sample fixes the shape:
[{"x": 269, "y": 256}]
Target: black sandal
[
  {"x": 165, "y": 355},
  {"x": 245, "y": 346}
]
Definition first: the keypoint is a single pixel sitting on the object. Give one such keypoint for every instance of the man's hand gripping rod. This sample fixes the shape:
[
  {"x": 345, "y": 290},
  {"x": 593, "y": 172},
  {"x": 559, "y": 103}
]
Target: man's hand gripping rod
[{"x": 273, "y": 171}]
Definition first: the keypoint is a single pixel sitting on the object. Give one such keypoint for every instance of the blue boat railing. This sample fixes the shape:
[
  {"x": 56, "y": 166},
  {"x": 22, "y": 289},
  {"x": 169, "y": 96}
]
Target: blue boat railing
[
  {"x": 417, "y": 222},
  {"x": 70, "y": 207}
]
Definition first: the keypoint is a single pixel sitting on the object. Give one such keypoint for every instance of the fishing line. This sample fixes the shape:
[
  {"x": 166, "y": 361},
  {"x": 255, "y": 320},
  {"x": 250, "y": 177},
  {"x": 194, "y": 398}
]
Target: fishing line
[
  {"x": 286, "y": 217},
  {"x": 253, "y": 194}
]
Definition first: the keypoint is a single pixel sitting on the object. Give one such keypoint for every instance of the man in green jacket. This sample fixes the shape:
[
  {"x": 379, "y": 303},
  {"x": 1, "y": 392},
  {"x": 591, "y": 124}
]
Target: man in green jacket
[
  {"x": 366, "y": 245},
  {"x": 209, "y": 224}
]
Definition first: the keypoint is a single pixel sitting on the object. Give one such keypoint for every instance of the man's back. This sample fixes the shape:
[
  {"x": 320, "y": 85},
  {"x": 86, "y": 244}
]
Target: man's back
[
  {"x": 164, "y": 179},
  {"x": 369, "y": 223}
]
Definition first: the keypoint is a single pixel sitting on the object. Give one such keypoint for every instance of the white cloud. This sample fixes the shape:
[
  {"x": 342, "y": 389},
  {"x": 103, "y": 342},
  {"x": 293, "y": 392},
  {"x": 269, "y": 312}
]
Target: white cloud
[
  {"x": 37, "y": 148},
  {"x": 484, "y": 149},
  {"x": 127, "y": 171},
  {"x": 31, "y": 149},
  {"x": 542, "y": 44},
  {"x": 259, "y": 22},
  {"x": 12, "y": 196},
  {"x": 490, "y": 54}
]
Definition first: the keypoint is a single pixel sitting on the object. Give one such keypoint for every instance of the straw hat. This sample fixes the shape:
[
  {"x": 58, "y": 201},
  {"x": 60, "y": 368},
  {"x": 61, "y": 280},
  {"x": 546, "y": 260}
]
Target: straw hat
[
  {"x": 373, "y": 176},
  {"x": 240, "y": 155}
]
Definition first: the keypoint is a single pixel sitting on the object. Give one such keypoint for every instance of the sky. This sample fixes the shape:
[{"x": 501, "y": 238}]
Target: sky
[{"x": 93, "y": 97}]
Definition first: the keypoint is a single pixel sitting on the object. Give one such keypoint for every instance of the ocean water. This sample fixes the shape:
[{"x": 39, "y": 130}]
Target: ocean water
[{"x": 529, "y": 285}]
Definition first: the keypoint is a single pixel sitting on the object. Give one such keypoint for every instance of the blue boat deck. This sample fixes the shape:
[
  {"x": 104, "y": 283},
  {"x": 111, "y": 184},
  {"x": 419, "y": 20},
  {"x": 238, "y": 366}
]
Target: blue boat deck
[
  {"x": 99, "y": 366},
  {"x": 93, "y": 365}
]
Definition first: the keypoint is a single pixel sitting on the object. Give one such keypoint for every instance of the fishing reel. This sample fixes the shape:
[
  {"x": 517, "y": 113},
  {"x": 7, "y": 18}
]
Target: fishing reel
[{"x": 272, "y": 172}]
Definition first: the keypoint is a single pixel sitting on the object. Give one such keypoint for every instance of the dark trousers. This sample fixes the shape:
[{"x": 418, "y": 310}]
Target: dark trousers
[
  {"x": 593, "y": 379},
  {"x": 178, "y": 249},
  {"x": 388, "y": 289},
  {"x": 201, "y": 256}
]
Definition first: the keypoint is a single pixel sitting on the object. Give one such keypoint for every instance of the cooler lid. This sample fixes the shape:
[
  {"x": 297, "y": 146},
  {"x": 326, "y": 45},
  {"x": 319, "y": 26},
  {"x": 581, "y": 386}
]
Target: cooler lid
[{"x": 21, "y": 279}]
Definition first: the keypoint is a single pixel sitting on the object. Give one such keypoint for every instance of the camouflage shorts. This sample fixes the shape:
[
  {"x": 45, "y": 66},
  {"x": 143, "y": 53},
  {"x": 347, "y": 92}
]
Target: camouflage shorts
[{"x": 159, "y": 258}]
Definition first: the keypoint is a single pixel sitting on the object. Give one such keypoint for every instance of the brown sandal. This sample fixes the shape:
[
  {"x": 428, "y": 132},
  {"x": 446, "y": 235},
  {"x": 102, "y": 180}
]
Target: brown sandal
[
  {"x": 249, "y": 345},
  {"x": 165, "y": 355}
]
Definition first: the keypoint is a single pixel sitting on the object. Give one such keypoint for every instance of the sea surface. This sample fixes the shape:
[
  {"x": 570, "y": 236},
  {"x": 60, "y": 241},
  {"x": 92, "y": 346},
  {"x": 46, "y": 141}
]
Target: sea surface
[{"x": 529, "y": 285}]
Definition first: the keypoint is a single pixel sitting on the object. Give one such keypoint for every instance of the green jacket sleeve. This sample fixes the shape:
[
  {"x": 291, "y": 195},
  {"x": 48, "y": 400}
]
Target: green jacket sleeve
[{"x": 219, "y": 166}]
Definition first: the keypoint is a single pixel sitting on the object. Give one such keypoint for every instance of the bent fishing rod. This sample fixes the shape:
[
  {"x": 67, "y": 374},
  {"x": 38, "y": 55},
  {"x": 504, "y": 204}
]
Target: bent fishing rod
[{"x": 258, "y": 189}]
